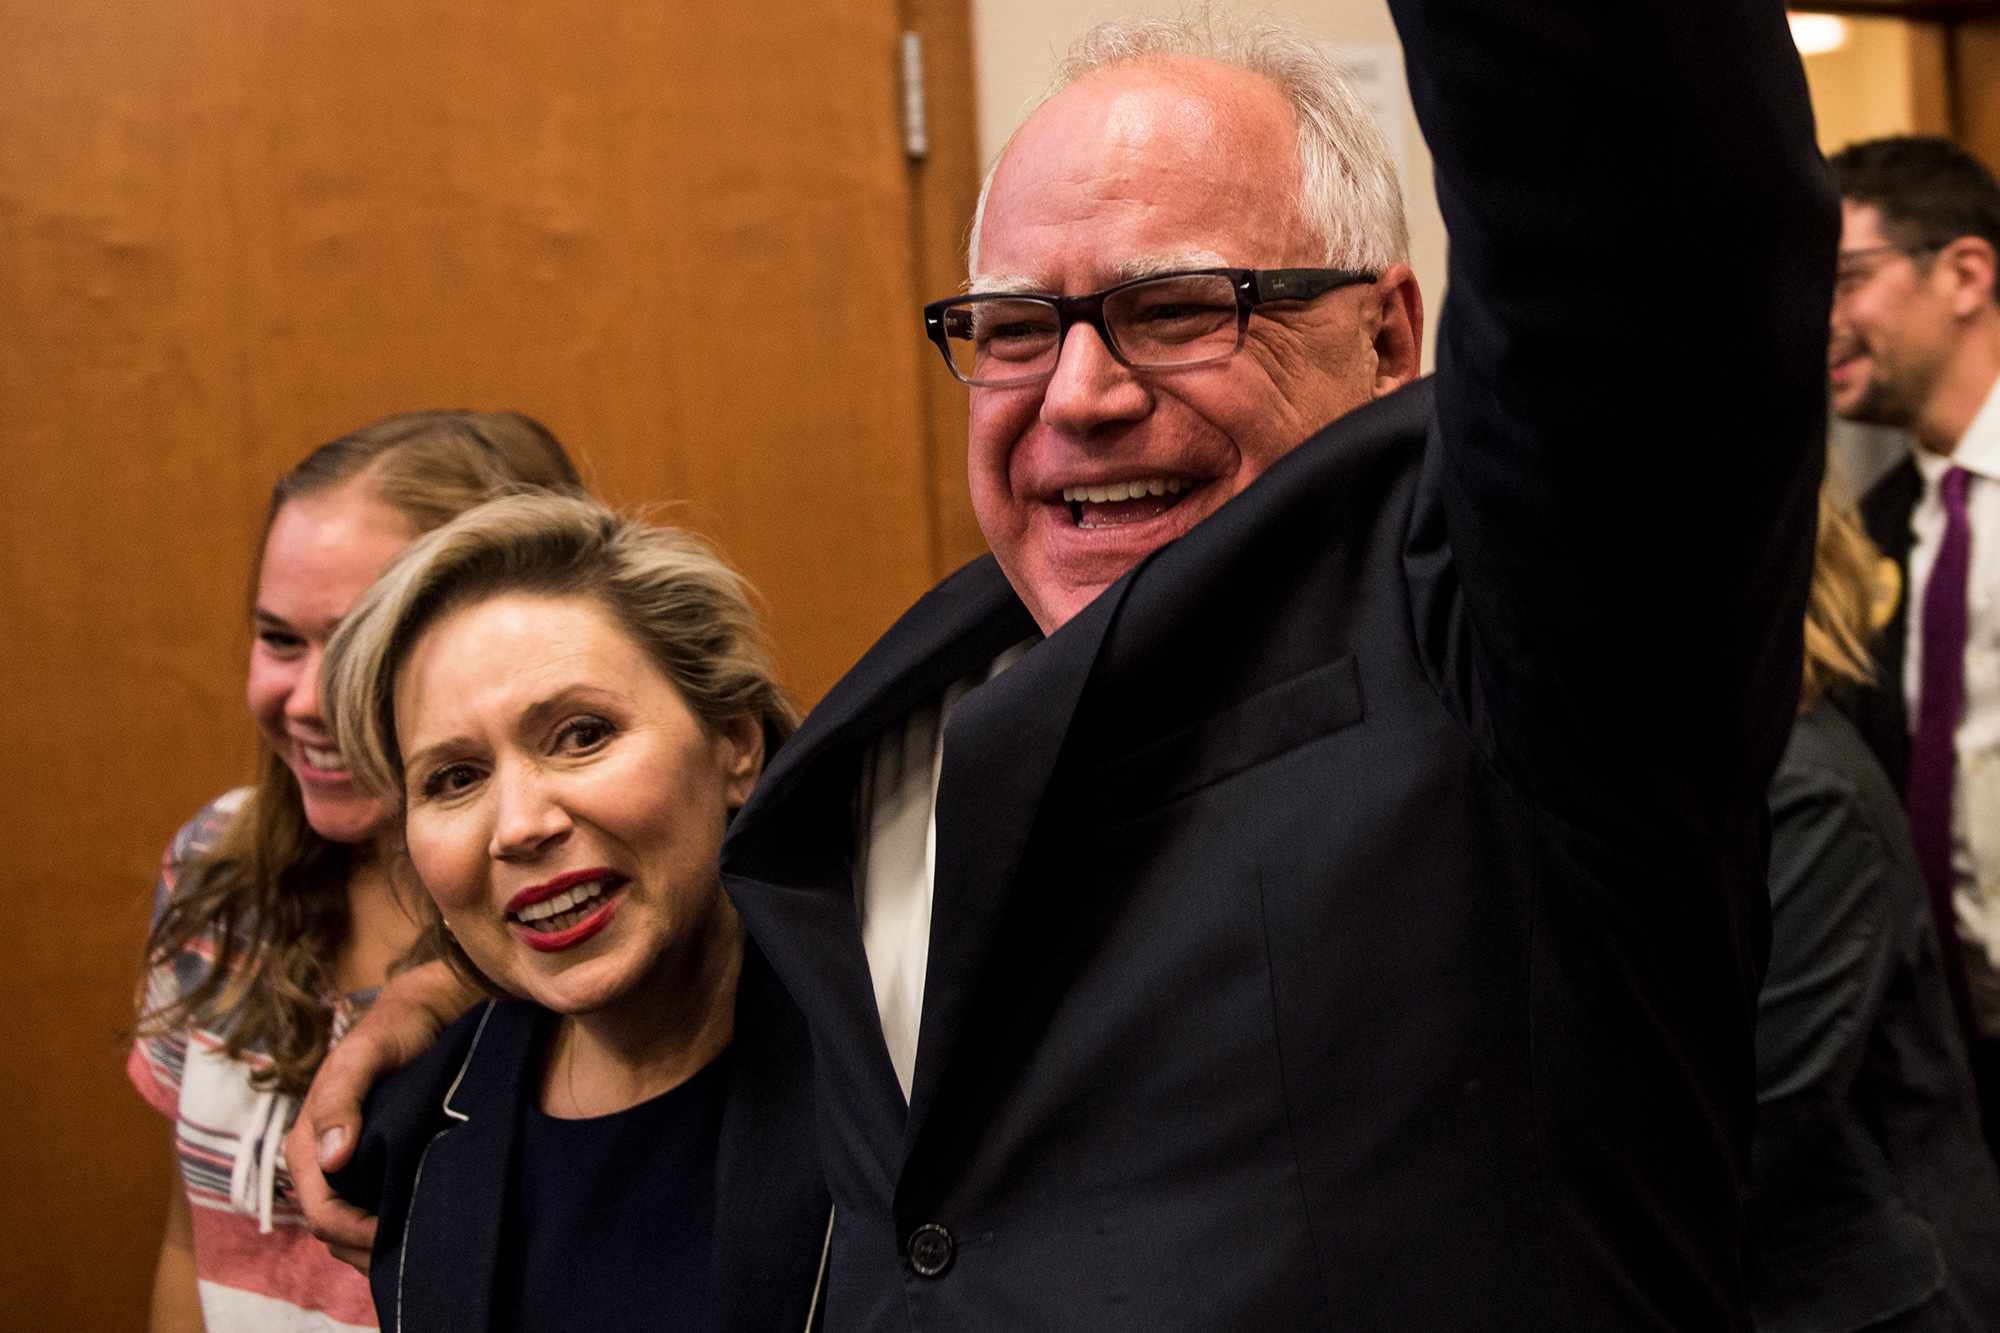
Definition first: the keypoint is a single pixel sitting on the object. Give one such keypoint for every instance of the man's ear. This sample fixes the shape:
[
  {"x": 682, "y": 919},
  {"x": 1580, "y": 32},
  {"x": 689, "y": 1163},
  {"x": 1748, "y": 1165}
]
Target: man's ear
[
  {"x": 1399, "y": 338},
  {"x": 1969, "y": 265}
]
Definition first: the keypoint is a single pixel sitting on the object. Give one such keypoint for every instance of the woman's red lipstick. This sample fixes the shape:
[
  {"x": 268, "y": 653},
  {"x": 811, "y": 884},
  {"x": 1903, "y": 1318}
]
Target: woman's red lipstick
[
  {"x": 535, "y": 893},
  {"x": 569, "y": 938}
]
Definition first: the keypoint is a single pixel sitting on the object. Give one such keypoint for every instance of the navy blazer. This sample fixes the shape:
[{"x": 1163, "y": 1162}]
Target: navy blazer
[
  {"x": 438, "y": 1145},
  {"x": 1353, "y": 917}
]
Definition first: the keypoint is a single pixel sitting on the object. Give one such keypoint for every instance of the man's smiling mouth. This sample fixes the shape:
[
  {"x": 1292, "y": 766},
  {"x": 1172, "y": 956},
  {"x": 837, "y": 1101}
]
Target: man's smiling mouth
[{"x": 1122, "y": 502}]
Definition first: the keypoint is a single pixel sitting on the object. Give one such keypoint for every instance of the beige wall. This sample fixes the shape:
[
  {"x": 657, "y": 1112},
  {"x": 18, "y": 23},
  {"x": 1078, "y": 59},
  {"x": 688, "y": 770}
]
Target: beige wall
[
  {"x": 1876, "y": 84},
  {"x": 1016, "y": 44}
]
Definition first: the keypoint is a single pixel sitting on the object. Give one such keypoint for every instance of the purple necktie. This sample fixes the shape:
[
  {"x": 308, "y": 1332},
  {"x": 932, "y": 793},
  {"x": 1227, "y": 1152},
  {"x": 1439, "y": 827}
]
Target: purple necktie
[{"x": 1933, "y": 746}]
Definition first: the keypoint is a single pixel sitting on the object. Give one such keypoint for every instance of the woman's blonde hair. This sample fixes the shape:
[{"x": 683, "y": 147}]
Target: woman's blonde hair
[
  {"x": 1840, "y": 605},
  {"x": 682, "y": 604},
  {"x": 272, "y": 893}
]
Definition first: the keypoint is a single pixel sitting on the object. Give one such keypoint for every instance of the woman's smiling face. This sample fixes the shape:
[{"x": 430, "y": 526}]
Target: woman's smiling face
[
  {"x": 322, "y": 552},
  {"x": 566, "y": 808}
]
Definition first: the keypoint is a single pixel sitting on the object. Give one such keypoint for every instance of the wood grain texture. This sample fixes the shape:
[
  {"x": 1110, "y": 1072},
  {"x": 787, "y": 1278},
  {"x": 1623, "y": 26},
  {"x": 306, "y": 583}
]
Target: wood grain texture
[
  {"x": 1930, "y": 79},
  {"x": 681, "y": 235},
  {"x": 947, "y": 189},
  {"x": 1975, "y": 67}
]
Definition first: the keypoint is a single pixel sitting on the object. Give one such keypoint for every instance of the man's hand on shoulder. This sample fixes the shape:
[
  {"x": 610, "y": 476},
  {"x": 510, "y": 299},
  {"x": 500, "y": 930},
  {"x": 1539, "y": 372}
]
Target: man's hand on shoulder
[{"x": 402, "y": 1024}]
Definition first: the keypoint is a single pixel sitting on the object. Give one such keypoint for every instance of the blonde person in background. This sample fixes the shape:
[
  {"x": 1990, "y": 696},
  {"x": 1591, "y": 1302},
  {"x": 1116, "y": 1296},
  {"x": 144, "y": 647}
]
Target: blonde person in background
[
  {"x": 1874, "y": 1203},
  {"x": 276, "y": 918}
]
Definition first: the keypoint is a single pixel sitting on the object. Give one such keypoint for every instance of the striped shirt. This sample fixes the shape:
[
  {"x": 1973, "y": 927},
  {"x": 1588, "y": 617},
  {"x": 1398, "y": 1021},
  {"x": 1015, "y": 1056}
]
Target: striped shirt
[{"x": 257, "y": 1266}]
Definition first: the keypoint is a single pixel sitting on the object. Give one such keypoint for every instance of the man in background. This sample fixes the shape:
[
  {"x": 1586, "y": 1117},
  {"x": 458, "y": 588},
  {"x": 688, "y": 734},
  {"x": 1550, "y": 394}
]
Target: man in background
[{"x": 1915, "y": 344}]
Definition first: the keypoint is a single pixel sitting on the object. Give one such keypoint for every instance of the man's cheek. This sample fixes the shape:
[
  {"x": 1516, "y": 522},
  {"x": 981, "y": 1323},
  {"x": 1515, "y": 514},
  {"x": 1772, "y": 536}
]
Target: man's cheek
[{"x": 991, "y": 461}]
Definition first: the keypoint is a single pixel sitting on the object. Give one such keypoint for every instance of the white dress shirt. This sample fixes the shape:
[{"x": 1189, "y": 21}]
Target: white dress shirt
[
  {"x": 1976, "y": 788},
  {"x": 897, "y": 853}
]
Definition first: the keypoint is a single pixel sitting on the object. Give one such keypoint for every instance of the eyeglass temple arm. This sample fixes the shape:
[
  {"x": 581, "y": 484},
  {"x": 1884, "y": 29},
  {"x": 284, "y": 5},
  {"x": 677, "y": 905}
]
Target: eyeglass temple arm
[{"x": 1302, "y": 284}]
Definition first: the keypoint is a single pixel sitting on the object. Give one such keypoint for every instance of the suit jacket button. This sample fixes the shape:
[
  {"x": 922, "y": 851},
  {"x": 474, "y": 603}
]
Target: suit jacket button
[{"x": 931, "y": 1249}]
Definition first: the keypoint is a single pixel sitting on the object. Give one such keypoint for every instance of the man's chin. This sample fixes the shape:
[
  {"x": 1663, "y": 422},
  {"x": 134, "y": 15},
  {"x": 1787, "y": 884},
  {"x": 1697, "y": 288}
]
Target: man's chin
[
  {"x": 1075, "y": 563},
  {"x": 1865, "y": 407}
]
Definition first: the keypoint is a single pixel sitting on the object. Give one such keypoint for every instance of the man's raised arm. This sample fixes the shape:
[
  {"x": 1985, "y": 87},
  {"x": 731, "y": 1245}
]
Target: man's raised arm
[{"x": 1630, "y": 382}]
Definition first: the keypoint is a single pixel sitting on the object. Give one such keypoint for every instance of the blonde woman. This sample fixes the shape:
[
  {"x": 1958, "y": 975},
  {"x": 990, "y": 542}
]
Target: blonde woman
[
  {"x": 276, "y": 918},
  {"x": 1874, "y": 1201},
  {"x": 565, "y": 708}
]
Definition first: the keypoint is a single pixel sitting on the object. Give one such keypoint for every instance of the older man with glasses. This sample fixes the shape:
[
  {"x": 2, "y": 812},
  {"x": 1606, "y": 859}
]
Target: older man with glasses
[
  {"x": 1319, "y": 885},
  {"x": 1303, "y": 885}
]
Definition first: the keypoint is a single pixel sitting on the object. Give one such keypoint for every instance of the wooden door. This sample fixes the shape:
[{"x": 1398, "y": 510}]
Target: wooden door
[{"x": 688, "y": 237}]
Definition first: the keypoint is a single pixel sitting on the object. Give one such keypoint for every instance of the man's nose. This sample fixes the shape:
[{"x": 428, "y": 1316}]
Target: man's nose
[
  {"x": 1090, "y": 387},
  {"x": 528, "y": 820}
]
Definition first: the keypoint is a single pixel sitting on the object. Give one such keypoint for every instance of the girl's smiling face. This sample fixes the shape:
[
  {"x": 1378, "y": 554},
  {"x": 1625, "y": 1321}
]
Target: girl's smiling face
[{"x": 323, "y": 551}]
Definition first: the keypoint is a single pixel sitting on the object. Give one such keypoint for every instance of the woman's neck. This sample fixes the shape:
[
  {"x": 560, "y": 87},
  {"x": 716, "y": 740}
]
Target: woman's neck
[
  {"x": 657, "y": 1035},
  {"x": 380, "y": 926}
]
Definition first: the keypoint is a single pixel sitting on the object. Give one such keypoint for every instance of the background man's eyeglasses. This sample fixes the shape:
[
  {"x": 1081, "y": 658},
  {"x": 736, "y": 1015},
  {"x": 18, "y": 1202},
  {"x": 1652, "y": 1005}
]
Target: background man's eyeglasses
[
  {"x": 1854, "y": 267},
  {"x": 1174, "y": 320}
]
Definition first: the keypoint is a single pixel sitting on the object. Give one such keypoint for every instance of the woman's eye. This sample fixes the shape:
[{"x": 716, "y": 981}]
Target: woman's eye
[
  {"x": 280, "y": 643},
  {"x": 583, "y": 734},
  {"x": 449, "y": 780}
]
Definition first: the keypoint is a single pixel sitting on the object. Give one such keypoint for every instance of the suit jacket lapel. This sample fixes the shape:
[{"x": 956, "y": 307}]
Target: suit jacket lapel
[
  {"x": 1001, "y": 747},
  {"x": 789, "y": 861},
  {"x": 1886, "y": 513},
  {"x": 1877, "y": 708},
  {"x": 451, "y": 1245},
  {"x": 770, "y": 1206}
]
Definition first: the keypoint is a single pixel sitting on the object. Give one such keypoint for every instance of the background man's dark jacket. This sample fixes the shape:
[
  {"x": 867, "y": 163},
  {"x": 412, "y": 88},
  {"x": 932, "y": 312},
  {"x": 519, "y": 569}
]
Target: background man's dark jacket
[
  {"x": 1877, "y": 709},
  {"x": 1873, "y": 1195}
]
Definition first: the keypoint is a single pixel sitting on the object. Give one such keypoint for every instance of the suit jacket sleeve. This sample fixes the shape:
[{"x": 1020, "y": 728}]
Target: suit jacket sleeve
[{"x": 1630, "y": 384}]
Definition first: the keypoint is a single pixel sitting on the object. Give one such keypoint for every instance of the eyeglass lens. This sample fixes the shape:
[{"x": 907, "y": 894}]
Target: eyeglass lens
[{"x": 1171, "y": 321}]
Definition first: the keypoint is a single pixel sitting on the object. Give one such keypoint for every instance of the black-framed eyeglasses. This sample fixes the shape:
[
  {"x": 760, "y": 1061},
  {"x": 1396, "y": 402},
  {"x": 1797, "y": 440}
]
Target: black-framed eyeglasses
[
  {"x": 1167, "y": 322},
  {"x": 1848, "y": 275}
]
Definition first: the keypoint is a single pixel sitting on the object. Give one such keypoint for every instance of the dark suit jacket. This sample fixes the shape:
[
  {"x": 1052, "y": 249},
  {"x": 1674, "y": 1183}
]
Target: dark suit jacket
[
  {"x": 1874, "y": 1197},
  {"x": 1877, "y": 709},
  {"x": 438, "y": 1146},
  {"x": 1353, "y": 918}
]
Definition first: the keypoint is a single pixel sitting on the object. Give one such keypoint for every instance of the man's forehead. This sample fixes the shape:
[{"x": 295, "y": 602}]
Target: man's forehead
[
  {"x": 1108, "y": 272},
  {"x": 1140, "y": 169},
  {"x": 1860, "y": 225}
]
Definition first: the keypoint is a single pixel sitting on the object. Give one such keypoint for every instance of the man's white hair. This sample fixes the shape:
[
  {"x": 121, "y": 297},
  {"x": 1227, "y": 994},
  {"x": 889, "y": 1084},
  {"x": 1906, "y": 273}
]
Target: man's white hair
[{"x": 1348, "y": 194}]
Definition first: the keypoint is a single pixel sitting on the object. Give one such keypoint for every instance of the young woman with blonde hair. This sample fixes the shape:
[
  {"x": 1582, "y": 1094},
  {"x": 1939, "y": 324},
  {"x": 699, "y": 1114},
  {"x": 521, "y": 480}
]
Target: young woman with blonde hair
[{"x": 275, "y": 917}]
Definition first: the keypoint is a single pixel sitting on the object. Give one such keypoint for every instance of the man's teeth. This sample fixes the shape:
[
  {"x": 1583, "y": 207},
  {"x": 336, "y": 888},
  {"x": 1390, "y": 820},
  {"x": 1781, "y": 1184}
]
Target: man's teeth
[
  {"x": 329, "y": 760},
  {"x": 561, "y": 903},
  {"x": 1123, "y": 490}
]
